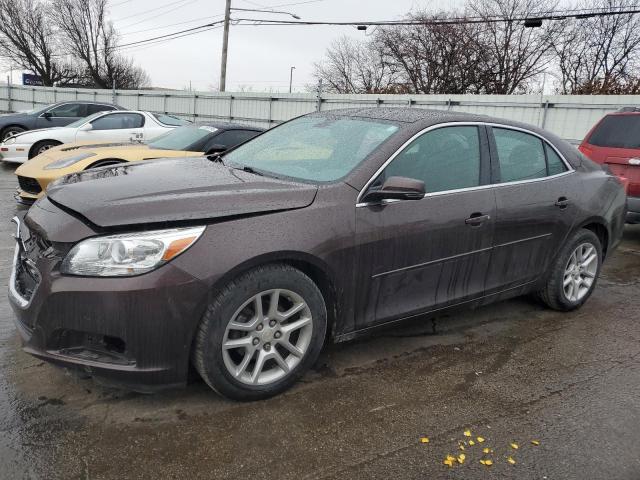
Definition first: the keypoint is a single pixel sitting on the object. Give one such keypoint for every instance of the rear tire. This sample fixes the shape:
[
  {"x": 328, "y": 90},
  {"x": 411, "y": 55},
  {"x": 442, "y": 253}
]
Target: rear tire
[
  {"x": 261, "y": 333},
  {"x": 41, "y": 147},
  {"x": 575, "y": 272}
]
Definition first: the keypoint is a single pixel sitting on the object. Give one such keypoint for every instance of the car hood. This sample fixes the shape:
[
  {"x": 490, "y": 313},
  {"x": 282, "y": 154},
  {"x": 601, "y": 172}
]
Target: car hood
[{"x": 160, "y": 191}]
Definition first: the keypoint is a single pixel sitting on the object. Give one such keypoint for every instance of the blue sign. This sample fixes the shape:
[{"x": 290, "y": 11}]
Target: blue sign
[{"x": 32, "y": 80}]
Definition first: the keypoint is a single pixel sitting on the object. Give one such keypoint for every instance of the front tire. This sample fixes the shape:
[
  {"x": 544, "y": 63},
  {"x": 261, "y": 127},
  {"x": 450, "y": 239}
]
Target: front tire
[
  {"x": 11, "y": 131},
  {"x": 261, "y": 333},
  {"x": 575, "y": 272}
]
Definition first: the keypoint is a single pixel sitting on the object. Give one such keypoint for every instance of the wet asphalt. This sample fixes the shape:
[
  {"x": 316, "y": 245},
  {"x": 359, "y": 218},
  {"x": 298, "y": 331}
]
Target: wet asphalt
[{"x": 510, "y": 373}]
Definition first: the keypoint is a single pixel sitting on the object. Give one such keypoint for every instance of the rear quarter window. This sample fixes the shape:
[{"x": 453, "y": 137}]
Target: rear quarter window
[{"x": 617, "y": 131}]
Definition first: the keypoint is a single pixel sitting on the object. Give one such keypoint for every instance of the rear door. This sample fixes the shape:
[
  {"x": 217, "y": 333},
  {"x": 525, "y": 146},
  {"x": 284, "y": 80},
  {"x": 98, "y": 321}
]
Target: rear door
[
  {"x": 415, "y": 256},
  {"x": 536, "y": 207}
]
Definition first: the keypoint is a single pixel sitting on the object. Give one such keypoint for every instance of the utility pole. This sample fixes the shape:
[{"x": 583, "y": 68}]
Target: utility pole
[
  {"x": 225, "y": 45},
  {"x": 291, "y": 78}
]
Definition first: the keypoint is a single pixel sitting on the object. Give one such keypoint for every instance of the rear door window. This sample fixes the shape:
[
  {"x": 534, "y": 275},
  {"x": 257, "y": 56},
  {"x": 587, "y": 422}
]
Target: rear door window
[
  {"x": 617, "y": 131},
  {"x": 520, "y": 155}
]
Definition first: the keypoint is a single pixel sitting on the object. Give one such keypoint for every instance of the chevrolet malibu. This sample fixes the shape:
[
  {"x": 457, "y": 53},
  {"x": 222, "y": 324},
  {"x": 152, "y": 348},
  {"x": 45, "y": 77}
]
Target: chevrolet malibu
[{"x": 323, "y": 228}]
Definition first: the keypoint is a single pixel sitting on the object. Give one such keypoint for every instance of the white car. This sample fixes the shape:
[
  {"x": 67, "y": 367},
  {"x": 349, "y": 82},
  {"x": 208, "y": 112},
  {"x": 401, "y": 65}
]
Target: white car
[{"x": 118, "y": 126}]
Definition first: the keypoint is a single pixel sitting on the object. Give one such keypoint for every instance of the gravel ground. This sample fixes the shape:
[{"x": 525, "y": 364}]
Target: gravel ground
[{"x": 511, "y": 372}]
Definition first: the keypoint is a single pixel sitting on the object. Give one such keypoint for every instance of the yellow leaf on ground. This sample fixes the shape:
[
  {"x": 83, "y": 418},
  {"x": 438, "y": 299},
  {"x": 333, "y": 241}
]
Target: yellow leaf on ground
[
  {"x": 461, "y": 447},
  {"x": 511, "y": 461},
  {"x": 461, "y": 458},
  {"x": 514, "y": 446},
  {"x": 535, "y": 442},
  {"x": 424, "y": 440},
  {"x": 471, "y": 442},
  {"x": 449, "y": 460},
  {"x": 487, "y": 463},
  {"x": 480, "y": 439},
  {"x": 467, "y": 433},
  {"x": 486, "y": 450}
]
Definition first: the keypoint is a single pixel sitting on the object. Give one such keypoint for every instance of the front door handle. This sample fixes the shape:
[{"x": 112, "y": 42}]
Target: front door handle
[
  {"x": 562, "y": 203},
  {"x": 477, "y": 219}
]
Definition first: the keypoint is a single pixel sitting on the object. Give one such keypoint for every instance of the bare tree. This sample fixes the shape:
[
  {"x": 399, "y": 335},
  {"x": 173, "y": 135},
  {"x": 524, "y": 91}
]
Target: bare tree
[
  {"x": 512, "y": 54},
  {"x": 432, "y": 57},
  {"x": 91, "y": 38},
  {"x": 352, "y": 66},
  {"x": 29, "y": 41},
  {"x": 600, "y": 55}
]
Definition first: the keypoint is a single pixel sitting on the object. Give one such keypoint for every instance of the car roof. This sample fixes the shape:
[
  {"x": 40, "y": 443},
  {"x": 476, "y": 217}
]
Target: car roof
[{"x": 88, "y": 102}]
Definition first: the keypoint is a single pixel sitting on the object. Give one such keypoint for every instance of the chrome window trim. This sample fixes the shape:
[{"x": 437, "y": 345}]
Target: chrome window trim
[{"x": 569, "y": 171}]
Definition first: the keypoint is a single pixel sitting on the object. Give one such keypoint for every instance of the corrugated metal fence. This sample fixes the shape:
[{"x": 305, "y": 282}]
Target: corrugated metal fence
[{"x": 569, "y": 116}]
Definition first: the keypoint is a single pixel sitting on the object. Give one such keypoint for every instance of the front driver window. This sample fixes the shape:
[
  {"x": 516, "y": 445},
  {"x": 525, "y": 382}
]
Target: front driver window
[
  {"x": 118, "y": 121},
  {"x": 69, "y": 110},
  {"x": 444, "y": 159}
]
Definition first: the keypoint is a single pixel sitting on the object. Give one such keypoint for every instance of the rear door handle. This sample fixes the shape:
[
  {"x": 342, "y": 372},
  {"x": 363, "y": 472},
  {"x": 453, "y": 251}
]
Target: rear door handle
[
  {"x": 562, "y": 203},
  {"x": 477, "y": 219}
]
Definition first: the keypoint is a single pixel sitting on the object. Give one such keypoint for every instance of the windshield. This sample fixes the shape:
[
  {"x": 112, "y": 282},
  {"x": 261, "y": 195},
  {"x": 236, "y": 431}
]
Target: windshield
[
  {"x": 84, "y": 120},
  {"x": 618, "y": 131},
  {"x": 318, "y": 149},
  {"x": 181, "y": 138}
]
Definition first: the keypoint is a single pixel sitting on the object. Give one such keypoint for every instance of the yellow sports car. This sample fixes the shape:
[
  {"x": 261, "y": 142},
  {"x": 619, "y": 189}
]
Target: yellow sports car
[{"x": 187, "y": 141}]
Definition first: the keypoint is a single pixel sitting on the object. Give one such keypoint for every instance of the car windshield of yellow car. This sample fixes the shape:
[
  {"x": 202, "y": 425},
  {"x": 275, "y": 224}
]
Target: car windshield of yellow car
[{"x": 181, "y": 138}]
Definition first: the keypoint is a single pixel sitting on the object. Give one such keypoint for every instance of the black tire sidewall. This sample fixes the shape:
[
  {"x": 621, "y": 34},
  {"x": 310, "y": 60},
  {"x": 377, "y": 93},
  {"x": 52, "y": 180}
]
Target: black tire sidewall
[
  {"x": 16, "y": 130},
  {"x": 221, "y": 311},
  {"x": 557, "y": 279}
]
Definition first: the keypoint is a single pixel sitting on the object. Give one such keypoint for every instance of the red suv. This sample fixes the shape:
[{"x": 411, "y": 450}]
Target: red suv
[{"x": 615, "y": 142}]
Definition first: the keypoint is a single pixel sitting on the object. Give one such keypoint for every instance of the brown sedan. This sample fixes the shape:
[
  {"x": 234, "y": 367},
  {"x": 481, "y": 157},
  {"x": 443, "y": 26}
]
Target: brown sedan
[{"x": 322, "y": 228}]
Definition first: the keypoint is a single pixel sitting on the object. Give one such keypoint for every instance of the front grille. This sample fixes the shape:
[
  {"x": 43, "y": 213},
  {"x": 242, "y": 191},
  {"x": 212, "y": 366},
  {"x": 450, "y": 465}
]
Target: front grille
[{"x": 29, "y": 185}]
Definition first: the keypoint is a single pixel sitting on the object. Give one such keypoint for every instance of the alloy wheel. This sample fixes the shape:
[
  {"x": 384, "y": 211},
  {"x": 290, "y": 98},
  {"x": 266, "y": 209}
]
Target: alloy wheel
[
  {"x": 267, "y": 337},
  {"x": 44, "y": 148},
  {"x": 580, "y": 272}
]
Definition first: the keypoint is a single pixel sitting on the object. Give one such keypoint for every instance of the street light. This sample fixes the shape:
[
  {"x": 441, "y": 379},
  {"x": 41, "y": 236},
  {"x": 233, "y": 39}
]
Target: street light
[
  {"x": 225, "y": 37},
  {"x": 291, "y": 77},
  {"x": 266, "y": 11}
]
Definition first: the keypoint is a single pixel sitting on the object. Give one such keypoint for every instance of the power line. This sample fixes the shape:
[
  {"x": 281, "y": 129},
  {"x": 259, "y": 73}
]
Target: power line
[
  {"x": 146, "y": 12},
  {"x": 553, "y": 16},
  {"x": 199, "y": 19}
]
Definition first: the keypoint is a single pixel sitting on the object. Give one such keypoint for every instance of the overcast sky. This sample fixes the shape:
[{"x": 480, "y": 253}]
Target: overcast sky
[{"x": 259, "y": 56}]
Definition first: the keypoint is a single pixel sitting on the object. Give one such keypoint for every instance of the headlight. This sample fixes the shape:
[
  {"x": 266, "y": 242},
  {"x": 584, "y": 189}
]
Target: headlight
[
  {"x": 128, "y": 254},
  {"x": 65, "y": 162}
]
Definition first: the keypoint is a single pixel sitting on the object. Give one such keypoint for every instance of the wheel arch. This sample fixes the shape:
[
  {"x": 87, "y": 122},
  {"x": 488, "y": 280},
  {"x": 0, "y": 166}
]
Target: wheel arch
[
  {"x": 37, "y": 143},
  {"x": 310, "y": 265},
  {"x": 599, "y": 227},
  {"x": 19, "y": 125}
]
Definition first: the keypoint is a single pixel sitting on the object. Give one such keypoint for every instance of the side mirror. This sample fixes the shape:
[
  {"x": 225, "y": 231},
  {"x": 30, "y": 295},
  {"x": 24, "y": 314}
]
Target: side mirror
[
  {"x": 216, "y": 148},
  {"x": 86, "y": 127},
  {"x": 397, "y": 188},
  {"x": 47, "y": 115}
]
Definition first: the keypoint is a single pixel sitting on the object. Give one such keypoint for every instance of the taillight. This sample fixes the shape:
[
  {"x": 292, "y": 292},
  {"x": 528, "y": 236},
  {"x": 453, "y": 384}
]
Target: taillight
[{"x": 586, "y": 150}]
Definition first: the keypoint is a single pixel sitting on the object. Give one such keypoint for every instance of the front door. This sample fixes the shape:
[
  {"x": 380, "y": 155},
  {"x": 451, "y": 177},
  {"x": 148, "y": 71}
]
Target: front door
[
  {"x": 114, "y": 127},
  {"x": 415, "y": 256},
  {"x": 62, "y": 115},
  {"x": 535, "y": 208}
]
